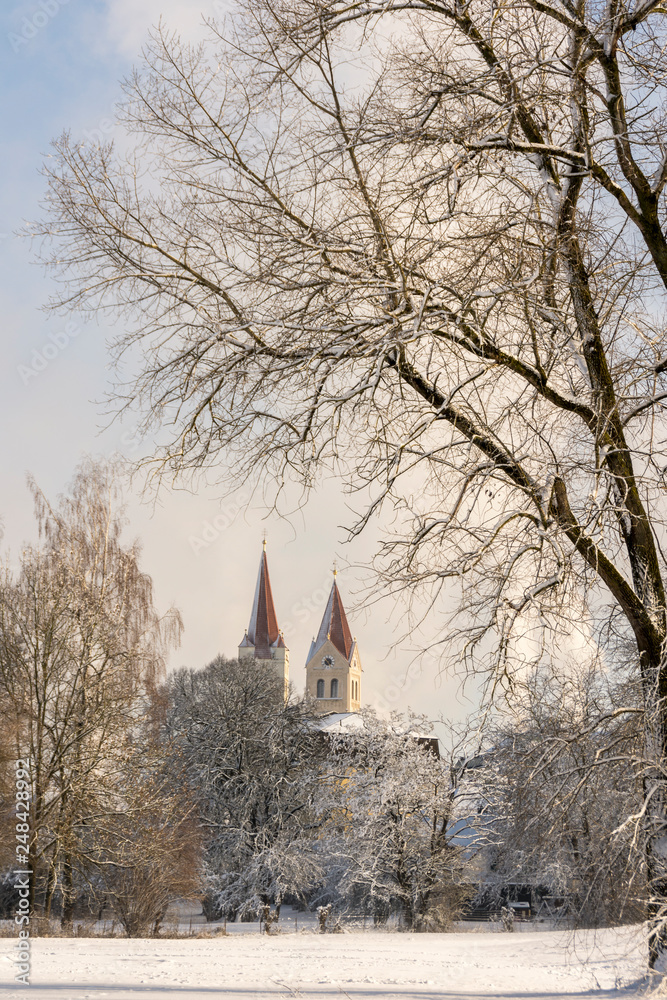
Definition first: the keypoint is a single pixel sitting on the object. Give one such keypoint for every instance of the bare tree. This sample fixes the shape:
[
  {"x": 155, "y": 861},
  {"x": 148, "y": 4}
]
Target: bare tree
[
  {"x": 560, "y": 785},
  {"x": 146, "y": 854},
  {"x": 433, "y": 261},
  {"x": 81, "y": 649}
]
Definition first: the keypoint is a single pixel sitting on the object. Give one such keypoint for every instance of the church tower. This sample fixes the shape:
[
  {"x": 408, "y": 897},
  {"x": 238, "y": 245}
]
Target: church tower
[
  {"x": 263, "y": 640},
  {"x": 333, "y": 670}
]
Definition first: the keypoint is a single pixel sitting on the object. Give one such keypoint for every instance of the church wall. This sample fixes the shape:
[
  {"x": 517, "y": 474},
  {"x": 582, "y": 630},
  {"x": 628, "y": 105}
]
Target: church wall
[{"x": 342, "y": 671}]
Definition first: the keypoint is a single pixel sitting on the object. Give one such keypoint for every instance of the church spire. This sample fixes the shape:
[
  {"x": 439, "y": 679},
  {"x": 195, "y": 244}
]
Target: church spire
[
  {"x": 333, "y": 668},
  {"x": 334, "y": 624},
  {"x": 263, "y": 631}
]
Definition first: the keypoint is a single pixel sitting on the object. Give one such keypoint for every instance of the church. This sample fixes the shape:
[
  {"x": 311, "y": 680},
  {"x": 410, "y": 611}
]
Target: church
[{"x": 333, "y": 668}]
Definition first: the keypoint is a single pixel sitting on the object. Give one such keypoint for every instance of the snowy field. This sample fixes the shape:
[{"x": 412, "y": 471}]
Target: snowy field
[{"x": 358, "y": 965}]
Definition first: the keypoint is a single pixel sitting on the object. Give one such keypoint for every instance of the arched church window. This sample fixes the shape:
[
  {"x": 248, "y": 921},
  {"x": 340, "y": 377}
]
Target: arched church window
[
  {"x": 334, "y": 688},
  {"x": 320, "y": 689}
]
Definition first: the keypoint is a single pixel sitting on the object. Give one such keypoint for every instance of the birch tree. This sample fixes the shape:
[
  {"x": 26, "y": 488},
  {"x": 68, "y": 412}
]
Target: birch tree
[
  {"x": 81, "y": 649},
  {"x": 421, "y": 245}
]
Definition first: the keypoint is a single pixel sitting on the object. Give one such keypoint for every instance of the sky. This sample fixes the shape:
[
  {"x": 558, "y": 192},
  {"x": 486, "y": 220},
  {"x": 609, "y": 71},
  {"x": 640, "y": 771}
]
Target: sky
[{"x": 61, "y": 64}]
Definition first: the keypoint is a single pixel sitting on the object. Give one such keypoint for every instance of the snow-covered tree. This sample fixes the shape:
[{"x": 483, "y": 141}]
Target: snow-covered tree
[
  {"x": 247, "y": 757},
  {"x": 384, "y": 805},
  {"x": 562, "y": 793}
]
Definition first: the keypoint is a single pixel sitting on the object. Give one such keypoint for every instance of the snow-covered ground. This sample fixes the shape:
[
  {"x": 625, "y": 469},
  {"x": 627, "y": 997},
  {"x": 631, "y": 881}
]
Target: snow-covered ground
[{"x": 358, "y": 965}]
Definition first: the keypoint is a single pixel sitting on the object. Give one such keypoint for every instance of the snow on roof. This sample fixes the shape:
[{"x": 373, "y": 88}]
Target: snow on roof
[{"x": 347, "y": 722}]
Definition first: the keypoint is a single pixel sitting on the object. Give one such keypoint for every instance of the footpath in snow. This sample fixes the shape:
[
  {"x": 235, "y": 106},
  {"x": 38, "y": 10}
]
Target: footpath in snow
[{"x": 536, "y": 965}]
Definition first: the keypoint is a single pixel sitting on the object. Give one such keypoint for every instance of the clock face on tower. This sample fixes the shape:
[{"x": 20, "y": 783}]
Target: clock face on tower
[{"x": 327, "y": 661}]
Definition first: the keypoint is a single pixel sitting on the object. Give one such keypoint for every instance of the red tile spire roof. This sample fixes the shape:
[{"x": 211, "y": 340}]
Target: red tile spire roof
[
  {"x": 334, "y": 624},
  {"x": 263, "y": 629}
]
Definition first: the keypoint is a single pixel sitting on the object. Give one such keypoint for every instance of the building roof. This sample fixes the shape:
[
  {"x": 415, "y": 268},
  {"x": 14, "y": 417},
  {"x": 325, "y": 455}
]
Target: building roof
[
  {"x": 334, "y": 626},
  {"x": 336, "y": 722},
  {"x": 263, "y": 629}
]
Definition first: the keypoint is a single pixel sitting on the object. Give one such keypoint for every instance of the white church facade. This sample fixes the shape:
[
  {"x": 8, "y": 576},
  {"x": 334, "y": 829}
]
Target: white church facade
[{"x": 333, "y": 667}]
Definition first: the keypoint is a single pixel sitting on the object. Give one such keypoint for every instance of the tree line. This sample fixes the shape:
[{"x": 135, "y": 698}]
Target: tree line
[{"x": 147, "y": 788}]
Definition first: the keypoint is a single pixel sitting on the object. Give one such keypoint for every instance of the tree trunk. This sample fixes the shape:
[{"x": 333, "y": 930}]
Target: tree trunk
[
  {"x": 51, "y": 883},
  {"x": 405, "y": 892},
  {"x": 655, "y": 816},
  {"x": 32, "y": 862},
  {"x": 68, "y": 893}
]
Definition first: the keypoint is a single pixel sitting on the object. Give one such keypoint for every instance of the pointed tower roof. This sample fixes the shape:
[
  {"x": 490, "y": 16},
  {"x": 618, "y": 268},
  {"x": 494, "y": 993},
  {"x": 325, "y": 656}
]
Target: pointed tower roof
[
  {"x": 334, "y": 625},
  {"x": 263, "y": 629}
]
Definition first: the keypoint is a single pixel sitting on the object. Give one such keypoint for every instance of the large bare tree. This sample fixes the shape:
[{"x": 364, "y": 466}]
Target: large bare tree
[{"x": 420, "y": 243}]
